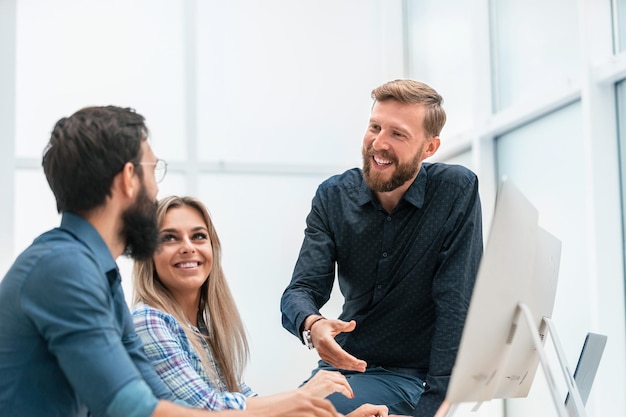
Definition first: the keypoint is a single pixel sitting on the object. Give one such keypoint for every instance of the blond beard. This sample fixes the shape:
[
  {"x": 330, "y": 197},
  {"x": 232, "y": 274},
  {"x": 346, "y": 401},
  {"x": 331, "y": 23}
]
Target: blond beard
[{"x": 401, "y": 174}]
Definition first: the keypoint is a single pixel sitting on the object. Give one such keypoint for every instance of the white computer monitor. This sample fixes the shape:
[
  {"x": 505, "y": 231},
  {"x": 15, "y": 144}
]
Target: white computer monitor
[{"x": 497, "y": 357}]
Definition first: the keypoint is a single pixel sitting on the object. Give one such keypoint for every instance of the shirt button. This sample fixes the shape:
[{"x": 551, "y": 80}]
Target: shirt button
[
  {"x": 388, "y": 218},
  {"x": 384, "y": 254},
  {"x": 379, "y": 286}
]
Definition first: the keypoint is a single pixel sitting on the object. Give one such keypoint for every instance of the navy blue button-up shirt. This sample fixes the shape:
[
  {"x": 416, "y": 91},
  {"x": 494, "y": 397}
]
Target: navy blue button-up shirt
[
  {"x": 67, "y": 340},
  {"x": 406, "y": 276}
]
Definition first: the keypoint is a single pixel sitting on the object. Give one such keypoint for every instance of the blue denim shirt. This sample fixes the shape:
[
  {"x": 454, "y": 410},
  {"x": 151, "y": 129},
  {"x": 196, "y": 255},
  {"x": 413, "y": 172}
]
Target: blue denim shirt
[
  {"x": 67, "y": 340},
  {"x": 406, "y": 276}
]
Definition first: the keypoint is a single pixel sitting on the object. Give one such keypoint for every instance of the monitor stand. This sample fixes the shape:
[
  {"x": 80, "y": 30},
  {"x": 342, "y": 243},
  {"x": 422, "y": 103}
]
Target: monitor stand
[
  {"x": 578, "y": 408},
  {"x": 575, "y": 404}
]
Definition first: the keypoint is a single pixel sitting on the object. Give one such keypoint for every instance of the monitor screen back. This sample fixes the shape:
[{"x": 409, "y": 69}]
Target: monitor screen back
[{"x": 496, "y": 357}]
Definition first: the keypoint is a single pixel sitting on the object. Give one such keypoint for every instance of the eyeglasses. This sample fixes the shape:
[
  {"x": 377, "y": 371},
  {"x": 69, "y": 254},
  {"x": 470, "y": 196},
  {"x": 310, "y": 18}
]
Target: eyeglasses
[{"x": 160, "y": 168}]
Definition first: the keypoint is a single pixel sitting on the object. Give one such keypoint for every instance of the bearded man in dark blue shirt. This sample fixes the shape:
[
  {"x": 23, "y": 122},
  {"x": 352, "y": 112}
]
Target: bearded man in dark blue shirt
[{"x": 404, "y": 238}]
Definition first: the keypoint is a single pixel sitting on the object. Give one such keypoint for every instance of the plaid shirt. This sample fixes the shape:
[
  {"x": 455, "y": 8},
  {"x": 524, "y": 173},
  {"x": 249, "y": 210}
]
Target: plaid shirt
[{"x": 177, "y": 363}]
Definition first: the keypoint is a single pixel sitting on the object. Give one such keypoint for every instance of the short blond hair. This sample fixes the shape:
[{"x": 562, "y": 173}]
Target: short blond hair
[{"x": 415, "y": 92}]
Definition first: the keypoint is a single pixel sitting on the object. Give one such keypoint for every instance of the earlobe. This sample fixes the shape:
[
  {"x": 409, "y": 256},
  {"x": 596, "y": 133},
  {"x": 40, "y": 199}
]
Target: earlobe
[
  {"x": 125, "y": 178},
  {"x": 433, "y": 145}
]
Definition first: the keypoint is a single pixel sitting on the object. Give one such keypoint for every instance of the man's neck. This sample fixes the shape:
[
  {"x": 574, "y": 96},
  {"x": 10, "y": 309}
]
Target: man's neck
[
  {"x": 108, "y": 223},
  {"x": 390, "y": 199}
]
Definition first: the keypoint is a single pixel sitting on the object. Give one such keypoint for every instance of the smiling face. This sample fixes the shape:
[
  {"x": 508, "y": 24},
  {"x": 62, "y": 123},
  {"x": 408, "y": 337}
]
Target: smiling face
[
  {"x": 184, "y": 258},
  {"x": 395, "y": 144}
]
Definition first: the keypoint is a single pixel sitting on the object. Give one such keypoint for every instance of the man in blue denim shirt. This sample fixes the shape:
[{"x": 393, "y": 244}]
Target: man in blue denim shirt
[
  {"x": 405, "y": 239},
  {"x": 68, "y": 347}
]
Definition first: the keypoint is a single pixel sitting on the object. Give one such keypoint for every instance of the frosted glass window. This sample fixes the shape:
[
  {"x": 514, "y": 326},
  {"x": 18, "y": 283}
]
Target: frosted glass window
[
  {"x": 174, "y": 183},
  {"x": 75, "y": 53},
  {"x": 443, "y": 50},
  {"x": 536, "y": 48},
  {"x": 621, "y": 123},
  {"x": 620, "y": 10},
  {"x": 35, "y": 208},
  {"x": 464, "y": 159},
  {"x": 543, "y": 159}
]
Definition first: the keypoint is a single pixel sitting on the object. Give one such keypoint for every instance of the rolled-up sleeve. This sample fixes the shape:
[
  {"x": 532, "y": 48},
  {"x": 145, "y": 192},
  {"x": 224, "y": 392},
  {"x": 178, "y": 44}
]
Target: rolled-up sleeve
[
  {"x": 75, "y": 314},
  {"x": 134, "y": 400}
]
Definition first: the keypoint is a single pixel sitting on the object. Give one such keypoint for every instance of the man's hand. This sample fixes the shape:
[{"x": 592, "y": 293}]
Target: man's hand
[{"x": 323, "y": 334}]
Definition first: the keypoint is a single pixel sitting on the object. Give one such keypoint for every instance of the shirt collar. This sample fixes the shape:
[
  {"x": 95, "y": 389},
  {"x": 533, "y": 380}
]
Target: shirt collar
[
  {"x": 84, "y": 231},
  {"x": 414, "y": 195}
]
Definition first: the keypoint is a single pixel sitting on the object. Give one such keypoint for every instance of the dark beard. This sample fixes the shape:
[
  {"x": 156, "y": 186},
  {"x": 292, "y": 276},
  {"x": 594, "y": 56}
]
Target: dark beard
[
  {"x": 402, "y": 174},
  {"x": 140, "y": 229}
]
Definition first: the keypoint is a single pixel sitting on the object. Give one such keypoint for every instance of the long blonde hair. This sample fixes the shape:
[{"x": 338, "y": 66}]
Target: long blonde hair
[{"x": 226, "y": 334}]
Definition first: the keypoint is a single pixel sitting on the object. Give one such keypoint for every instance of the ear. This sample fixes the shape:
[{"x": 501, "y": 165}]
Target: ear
[
  {"x": 431, "y": 146},
  {"x": 124, "y": 180}
]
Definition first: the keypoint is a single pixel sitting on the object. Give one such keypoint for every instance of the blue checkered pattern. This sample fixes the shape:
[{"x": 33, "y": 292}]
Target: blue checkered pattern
[{"x": 177, "y": 363}]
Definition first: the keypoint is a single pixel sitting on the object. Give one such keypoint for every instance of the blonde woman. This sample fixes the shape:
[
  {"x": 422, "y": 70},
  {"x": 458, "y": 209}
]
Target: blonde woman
[{"x": 189, "y": 324}]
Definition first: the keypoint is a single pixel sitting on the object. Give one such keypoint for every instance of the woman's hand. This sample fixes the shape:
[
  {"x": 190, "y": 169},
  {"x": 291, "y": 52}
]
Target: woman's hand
[
  {"x": 290, "y": 404},
  {"x": 325, "y": 383},
  {"x": 370, "y": 410}
]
